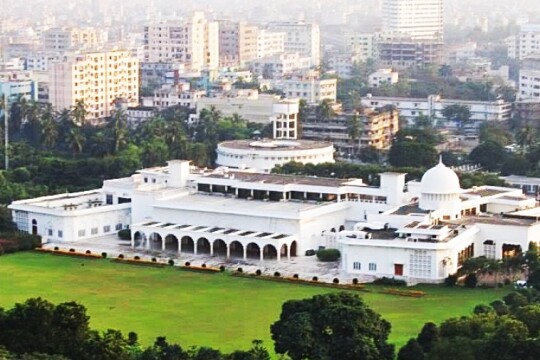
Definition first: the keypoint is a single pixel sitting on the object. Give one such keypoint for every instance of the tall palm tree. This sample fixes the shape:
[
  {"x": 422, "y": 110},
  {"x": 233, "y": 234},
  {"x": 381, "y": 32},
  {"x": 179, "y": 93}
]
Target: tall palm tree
[
  {"x": 49, "y": 129},
  {"x": 79, "y": 113},
  {"x": 120, "y": 130},
  {"x": 526, "y": 136},
  {"x": 75, "y": 140}
]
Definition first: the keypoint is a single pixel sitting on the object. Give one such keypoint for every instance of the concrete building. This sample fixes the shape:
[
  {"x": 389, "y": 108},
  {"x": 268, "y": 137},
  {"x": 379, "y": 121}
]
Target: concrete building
[
  {"x": 270, "y": 43},
  {"x": 525, "y": 43},
  {"x": 303, "y": 38},
  {"x": 278, "y": 66},
  {"x": 342, "y": 64},
  {"x": 311, "y": 88},
  {"x": 420, "y": 231},
  {"x": 96, "y": 78},
  {"x": 403, "y": 52},
  {"x": 418, "y": 19},
  {"x": 179, "y": 94},
  {"x": 410, "y": 108},
  {"x": 383, "y": 76},
  {"x": 193, "y": 42},
  {"x": 68, "y": 39},
  {"x": 17, "y": 84},
  {"x": 41, "y": 61},
  {"x": 529, "y": 79},
  {"x": 237, "y": 43},
  {"x": 362, "y": 45}
]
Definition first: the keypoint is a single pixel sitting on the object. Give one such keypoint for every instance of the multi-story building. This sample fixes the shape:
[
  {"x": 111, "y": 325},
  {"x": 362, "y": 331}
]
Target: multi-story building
[
  {"x": 40, "y": 61},
  {"x": 237, "y": 43},
  {"x": 303, "y": 38},
  {"x": 311, "y": 89},
  {"x": 529, "y": 79},
  {"x": 270, "y": 43},
  {"x": 342, "y": 64},
  {"x": 17, "y": 84},
  {"x": 66, "y": 39},
  {"x": 278, "y": 66},
  {"x": 179, "y": 94},
  {"x": 383, "y": 76},
  {"x": 417, "y": 19},
  {"x": 525, "y": 43},
  {"x": 376, "y": 128},
  {"x": 363, "y": 45},
  {"x": 193, "y": 41},
  {"x": 96, "y": 78},
  {"x": 154, "y": 75},
  {"x": 411, "y": 108},
  {"x": 404, "y": 52}
]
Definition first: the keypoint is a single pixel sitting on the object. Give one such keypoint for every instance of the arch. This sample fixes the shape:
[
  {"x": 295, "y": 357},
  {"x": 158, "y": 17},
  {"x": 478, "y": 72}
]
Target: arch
[
  {"x": 171, "y": 243},
  {"x": 253, "y": 251},
  {"x": 283, "y": 251},
  {"x": 139, "y": 239},
  {"x": 34, "y": 227},
  {"x": 187, "y": 245},
  {"x": 333, "y": 230},
  {"x": 219, "y": 248},
  {"x": 269, "y": 252},
  {"x": 294, "y": 248},
  {"x": 155, "y": 241},
  {"x": 342, "y": 228},
  {"x": 489, "y": 242},
  {"x": 236, "y": 250},
  {"x": 203, "y": 246}
]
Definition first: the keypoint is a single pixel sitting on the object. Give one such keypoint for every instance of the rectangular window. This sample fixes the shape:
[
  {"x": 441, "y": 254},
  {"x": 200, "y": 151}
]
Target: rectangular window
[
  {"x": 372, "y": 267},
  {"x": 94, "y": 231},
  {"x": 50, "y": 232},
  {"x": 357, "y": 265},
  {"x": 118, "y": 227},
  {"x": 60, "y": 234},
  {"x": 109, "y": 199},
  {"x": 107, "y": 228},
  {"x": 82, "y": 233}
]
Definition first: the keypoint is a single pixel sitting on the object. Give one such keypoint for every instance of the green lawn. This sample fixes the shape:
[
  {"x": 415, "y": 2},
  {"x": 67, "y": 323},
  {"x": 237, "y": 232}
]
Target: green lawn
[{"x": 218, "y": 310}]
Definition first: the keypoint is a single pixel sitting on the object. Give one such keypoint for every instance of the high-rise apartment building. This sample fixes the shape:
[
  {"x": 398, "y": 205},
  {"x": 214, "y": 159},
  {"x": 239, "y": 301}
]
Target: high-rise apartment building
[
  {"x": 419, "y": 19},
  {"x": 270, "y": 43},
  {"x": 303, "y": 38},
  {"x": 237, "y": 43},
  {"x": 66, "y": 39},
  {"x": 193, "y": 41},
  {"x": 525, "y": 43},
  {"x": 98, "y": 78}
]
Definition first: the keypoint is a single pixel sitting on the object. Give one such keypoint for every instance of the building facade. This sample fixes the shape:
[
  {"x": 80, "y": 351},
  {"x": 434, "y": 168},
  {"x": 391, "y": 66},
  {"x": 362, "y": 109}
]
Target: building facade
[
  {"x": 419, "y": 19},
  {"x": 303, "y": 38},
  {"x": 237, "y": 43},
  {"x": 270, "y": 43},
  {"x": 312, "y": 89}
]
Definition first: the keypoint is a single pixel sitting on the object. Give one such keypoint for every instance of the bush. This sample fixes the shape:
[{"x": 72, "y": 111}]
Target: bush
[
  {"x": 56, "y": 248},
  {"x": 124, "y": 234},
  {"x": 507, "y": 281},
  {"x": 389, "y": 281},
  {"x": 154, "y": 259},
  {"x": 471, "y": 281},
  {"x": 295, "y": 276},
  {"x": 277, "y": 274},
  {"x": 355, "y": 281},
  {"x": 88, "y": 252},
  {"x": 222, "y": 268},
  {"x": 258, "y": 272},
  {"x": 335, "y": 281},
  {"x": 187, "y": 264},
  {"x": 314, "y": 278},
  {"x": 71, "y": 250},
  {"x": 240, "y": 270},
  {"x": 171, "y": 262},
  {"x": 121, "y": 256},
  {"x": 203, "y": 265},
  {"x": 310, "y": 252},
  {"x": 104, "y": 255},
  {"x": 451, "y": 280},
  {"x": 328, "y": 255},
  {"x": 137, "y": 257}
]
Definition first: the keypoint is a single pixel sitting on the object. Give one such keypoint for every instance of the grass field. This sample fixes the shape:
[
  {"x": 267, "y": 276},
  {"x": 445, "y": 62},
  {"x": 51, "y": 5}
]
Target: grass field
[{"x": 189, "y": 308}]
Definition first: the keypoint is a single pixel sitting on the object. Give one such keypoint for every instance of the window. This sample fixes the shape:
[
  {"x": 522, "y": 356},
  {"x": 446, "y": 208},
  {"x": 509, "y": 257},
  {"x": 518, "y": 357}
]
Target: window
[
  {"x": 145, "y": 180},
  {"x": 94, "y": 231},
  {"x": 50, "y": 232},
  {"x": 60, "y": 234},
  {"x": 109, "y": 199},
  {"x": 118, "y": 227},
  {"x": 107, "y": 228},
  {"x": 82, "y": 233},
  {"x": 357, "y": 265},
  {"x": 372, "y": 267},
  {"x": 420, "y": 264}
]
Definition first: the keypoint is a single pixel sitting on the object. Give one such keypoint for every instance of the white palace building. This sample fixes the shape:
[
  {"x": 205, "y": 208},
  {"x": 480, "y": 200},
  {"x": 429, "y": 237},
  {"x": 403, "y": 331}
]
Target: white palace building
[{"x": 418, "y": 231}]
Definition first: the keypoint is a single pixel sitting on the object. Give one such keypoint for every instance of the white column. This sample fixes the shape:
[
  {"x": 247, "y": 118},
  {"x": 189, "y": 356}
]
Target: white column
[
  {"x": 211, "y": 248},
  {"x": 179, "y": 245},
  {"x": 163, "y": 244},
  {"x": 228, "y": 251},
  {"x": 262, "y": 253},
  {"x": 245, "y": 252}
]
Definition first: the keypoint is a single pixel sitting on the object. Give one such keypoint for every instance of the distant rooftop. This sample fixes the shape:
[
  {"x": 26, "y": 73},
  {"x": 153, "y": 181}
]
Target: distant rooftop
[{"x": 275, "y": 145}]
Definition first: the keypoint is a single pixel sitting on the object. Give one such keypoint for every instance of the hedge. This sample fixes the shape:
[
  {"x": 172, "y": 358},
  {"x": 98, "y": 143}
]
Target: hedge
[
  {"x": 124, "y": 234},
  {"x": 328, "y": 255}
]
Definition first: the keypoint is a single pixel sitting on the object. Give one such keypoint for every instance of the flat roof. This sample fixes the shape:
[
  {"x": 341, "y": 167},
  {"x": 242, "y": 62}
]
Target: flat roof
[
  {"x": 410, "y": 209},
  {"x": 495, "y": 220},
  {"x": 275, "y": 145},
  {"x": 278, "y": 179},
  {"x": 487, "y": 192}
]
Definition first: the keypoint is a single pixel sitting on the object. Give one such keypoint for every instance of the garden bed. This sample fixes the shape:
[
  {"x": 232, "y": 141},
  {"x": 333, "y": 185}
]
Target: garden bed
[{"x": 69, "y": 253}]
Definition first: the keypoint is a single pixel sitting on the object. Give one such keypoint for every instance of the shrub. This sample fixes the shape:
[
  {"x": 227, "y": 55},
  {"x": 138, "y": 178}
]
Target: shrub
[
  {"x": 56, "y": 248},
  {"x": 471, "y": 281},
  {"x": 451, "y": 280},
  {"x": 239, "y": 270},
  {"x": 389, "y": 281},
  {"x": 335, "y": 281},
  {"x": 88, "y": 252},
  {"x": 222, "y": 268},
  {"x": 124, "y": 234},
  {"x": 104, "y": 255},
  {"x": 137, "y": 257},
  {"x": 314, "y": 278},
  {"x": 507, "y": 282},
  {"x": 154, "y": 259},
  {"x": 310, "y": 252},
  {"x": 187, "y": 264},
  {"x": 171, "y": 262},
  {"x": 277, "y": 274},
  {"x": 328, "y": 255},
  {"x": 258, "y": 272},
  {"x": 295, "y": 276},
  {"x": 121, "y": 256},
  {"x": 355, "y": 281},
  {"x": 203, "y": 265},
  {"x": 71, "y": 250}
]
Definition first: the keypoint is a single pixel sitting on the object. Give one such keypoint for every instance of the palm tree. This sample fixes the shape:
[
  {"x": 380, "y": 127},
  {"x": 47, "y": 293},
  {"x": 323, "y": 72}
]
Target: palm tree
[
  {"x": 120, "y": 131},
  {"x": 526, "y": 137},
  {"x": 49, "y": 129},
  {"x": 100, "y": 144},
  {"x": 176, "y": 139},
  {"x": 79, "y": 112},
  {"x": 75, "y": 140}
]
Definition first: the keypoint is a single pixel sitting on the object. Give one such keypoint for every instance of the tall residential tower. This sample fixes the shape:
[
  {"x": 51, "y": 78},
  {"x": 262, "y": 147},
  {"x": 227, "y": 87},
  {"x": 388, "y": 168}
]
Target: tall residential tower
[{"x": 419, "y": 19}]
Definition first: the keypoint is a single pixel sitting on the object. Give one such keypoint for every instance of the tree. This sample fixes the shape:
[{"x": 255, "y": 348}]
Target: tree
[
  {"x": 526, "y": 136},
  {"x": 331, "y": 326},
  {"x": 489, "y": 155},
  {"x": 461, "y": 114},
  {"x": 79, "y": 113},
  {"x": 75, "y": 139},
  {"x": 49, "y": 129},
  {"x": 411, "y": 351},
  {"x": 354, "y": 128},
  {"x": 428, "y": 336}
]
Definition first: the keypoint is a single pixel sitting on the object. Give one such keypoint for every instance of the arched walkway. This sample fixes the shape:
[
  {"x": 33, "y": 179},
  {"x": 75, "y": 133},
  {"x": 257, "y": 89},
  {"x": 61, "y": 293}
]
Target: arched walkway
[
  {"x": 171, "y": 243},
  {"x": 269, "y": 252},
  {"x": 236, "y": 250},
  {"x": 187, "y": 245},
  {"x": 294, "y": 249},
  {"x": 219, "y": 248},
  {"x": 155, "y": 241},
  {"x": 253, "y": 251},
  {"x": 139, "y": 240},
  {"x": 203, "y": 246},
  {"x": 342, "y": 228},
  {"x": 283, "y": 251}
]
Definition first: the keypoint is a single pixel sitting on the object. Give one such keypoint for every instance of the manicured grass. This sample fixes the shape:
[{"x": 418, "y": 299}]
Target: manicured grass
[{"x": 189, "y": 308}]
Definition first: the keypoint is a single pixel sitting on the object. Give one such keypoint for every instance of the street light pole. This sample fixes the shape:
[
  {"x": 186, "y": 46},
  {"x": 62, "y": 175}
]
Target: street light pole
[{"x": 6, "y": 131}]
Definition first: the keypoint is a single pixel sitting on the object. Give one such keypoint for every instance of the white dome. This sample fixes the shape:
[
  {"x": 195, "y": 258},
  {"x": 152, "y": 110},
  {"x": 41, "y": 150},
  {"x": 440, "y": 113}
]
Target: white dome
[{"x": 440, "y": 180}]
